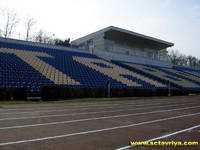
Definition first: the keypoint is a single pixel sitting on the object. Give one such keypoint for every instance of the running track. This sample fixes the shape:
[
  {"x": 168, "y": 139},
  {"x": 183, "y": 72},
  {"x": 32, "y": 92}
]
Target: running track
[{"x": 99, "y": 125}]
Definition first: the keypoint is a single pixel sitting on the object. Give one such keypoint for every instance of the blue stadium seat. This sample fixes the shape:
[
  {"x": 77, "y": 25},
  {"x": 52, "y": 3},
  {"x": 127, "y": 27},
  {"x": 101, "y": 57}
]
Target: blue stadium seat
[{"x": 33, "y": 67}]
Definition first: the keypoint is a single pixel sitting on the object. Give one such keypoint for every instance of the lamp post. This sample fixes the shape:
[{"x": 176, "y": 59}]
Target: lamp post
[
  {"x": 169, "y": 89},
  {"x": 108, "y": 86}
]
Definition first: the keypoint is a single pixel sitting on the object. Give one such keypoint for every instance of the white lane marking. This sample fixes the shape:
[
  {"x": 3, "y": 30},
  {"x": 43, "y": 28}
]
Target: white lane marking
[
  {"x": 162, "y": 137},
  {"x": 88, "y": 113},
  {"x": 96, "y": 118},
  {"x": 129, "y": 102},
  {"x": 88, "y": 104},
  {"x": 98, "y": 130},
  {"x": 22, "y": 106},
  {"x": 61, "y": 107},
  {"x": 70, "y": 105},
  {"x": 69, "y": 109},
  {"x": 88, "y": 108}
]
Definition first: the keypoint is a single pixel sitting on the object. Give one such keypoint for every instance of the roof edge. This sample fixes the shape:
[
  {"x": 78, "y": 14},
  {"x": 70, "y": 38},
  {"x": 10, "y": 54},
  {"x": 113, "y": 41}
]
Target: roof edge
[
  {"x": 141, "y": 35},
  {"x": 79, "y": 40}
]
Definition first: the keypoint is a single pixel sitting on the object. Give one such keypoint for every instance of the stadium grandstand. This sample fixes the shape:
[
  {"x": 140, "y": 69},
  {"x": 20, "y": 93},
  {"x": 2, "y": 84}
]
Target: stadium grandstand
[{"x": 128, "y": 63}]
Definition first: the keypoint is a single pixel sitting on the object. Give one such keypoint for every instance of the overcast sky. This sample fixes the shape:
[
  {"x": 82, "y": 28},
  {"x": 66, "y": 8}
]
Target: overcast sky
[{"x": 176, "y": 21}]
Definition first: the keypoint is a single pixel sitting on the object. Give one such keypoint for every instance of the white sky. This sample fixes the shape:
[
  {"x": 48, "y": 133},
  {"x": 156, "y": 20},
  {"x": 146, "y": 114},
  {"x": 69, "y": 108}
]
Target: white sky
[{"x": 176, "y": 21}]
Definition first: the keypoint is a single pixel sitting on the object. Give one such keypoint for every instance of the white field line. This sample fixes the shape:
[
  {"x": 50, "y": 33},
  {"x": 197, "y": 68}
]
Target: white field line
[
  {"x": 57, "y": 104},
  {"x": 52, "y": 105},
  {"x": 86, "y": 108},
  {"x": 162, "y": 137},
  {"x": 77, "y": 107},
  {"x": 83, "y": 104},
  {"x": 88, "y": 113},
  {"x": 61, "y": 107},
  {"x": 97, "y": 118},
  {"x": 66, "y": 109},
  {"x": 98, "y": 130},
  {"x": 77, "y": 104}
]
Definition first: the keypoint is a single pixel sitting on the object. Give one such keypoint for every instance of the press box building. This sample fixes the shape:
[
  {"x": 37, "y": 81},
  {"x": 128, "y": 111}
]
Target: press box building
[{"x": 113, "y": 43}]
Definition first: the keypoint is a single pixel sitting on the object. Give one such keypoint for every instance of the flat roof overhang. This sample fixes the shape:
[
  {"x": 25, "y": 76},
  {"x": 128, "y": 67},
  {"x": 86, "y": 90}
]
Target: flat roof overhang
[
  {"x": 119, "y": 34},
  {"x": 132, "y": 38}
]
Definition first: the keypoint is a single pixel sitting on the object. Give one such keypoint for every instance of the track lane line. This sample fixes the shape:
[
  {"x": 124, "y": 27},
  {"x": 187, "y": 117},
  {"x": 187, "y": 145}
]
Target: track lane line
[
  {"x": 98, "y": 130},
  {"x": 82, "y": 106},
  {"x": 162, "y": 137},
  {"x": 49, "y": 110},
  {"x": 66, "y": 109},
  {"x": 61, "y": 107},
  {"x": 85, "y": 103},
  {"x": 88, "y": 113},
  {"x": 96, "y": 118},
  {"x": 87, "y": 108}
]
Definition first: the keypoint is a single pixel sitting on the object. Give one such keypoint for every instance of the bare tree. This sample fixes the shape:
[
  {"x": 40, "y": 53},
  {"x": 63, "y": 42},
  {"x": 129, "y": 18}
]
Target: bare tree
[
  {"x": 1, "y": 21},
  {"x": 43, "y": 37},
  {"x": 193, "y": 62},
  {"x": 39, "y": 36},
  {"x": 174, "y": 56},
  {"x": 180, "y": 59},
  {"x": 30, "y": 22},
  {"x": 9, "y": 22}
]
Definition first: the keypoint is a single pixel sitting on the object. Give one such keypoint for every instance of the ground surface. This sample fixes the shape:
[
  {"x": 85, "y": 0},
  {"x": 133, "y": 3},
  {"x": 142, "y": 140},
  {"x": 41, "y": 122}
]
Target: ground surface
[{"x": 98, "y": 125}]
